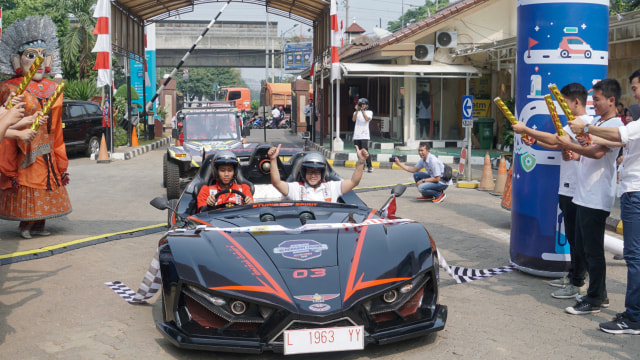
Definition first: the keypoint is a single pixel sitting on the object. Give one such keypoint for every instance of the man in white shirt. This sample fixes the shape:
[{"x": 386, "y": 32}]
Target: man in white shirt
[
  {"x": 594, "y": 196},
  {"x": 576, "y": 96},
  {"x": 362, "y": 117},
  {"x": 307, "y": 115},
  {"x": 627, "y": 322},
  {"x": 311, "y": 185},
  {"x": 430, "y": 183},
  {"x": 275, "y": 114}
]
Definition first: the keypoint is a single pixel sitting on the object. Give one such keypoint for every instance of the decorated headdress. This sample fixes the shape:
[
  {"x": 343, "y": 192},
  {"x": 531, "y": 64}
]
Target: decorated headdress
[{"x": 36, "y": 30}]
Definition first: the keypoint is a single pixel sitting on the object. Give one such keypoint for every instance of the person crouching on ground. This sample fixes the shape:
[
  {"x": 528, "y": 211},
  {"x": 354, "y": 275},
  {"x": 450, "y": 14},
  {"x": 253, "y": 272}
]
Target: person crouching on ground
[
  {"x": 225, "y": 191},
  {"x": 430, "y": 183},
  {"x": 311, "y": 185}
]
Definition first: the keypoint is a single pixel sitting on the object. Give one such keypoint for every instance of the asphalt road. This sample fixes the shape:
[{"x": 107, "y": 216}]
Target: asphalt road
[{"x": 58, "y": 308}]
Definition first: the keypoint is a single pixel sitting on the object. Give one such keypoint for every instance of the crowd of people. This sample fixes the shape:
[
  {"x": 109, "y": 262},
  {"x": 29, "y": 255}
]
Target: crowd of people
[
  {"x": 587, "y": 190},
  {"x": 33, "y": 163}
]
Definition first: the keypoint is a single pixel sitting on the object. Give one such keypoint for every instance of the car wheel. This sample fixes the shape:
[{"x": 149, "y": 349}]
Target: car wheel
[
  {"x": 164, "y": 170},
  {"x": 587, "y": 54},
  {"x": 173, "y": 180},
  {"x": 564, "y": 53},
  {"x": 94, "y": 146},
  {"x": 171, "y": 219}
]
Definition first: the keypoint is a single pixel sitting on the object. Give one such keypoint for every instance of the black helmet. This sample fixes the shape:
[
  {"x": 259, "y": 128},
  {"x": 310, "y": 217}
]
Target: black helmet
[
  {"x": 225, "y": 157},
  {"x": 313, "y": 160},
  {"x": 363, "y": 101}
]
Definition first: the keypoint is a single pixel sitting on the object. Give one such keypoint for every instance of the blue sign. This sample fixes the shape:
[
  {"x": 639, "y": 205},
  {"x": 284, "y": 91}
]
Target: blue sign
[
  {"x": 559, "y": 42},
  {"x": 137, "y": 73},
  {"x": 298, "y": 56},
  {"x": 467, "y": 107}
]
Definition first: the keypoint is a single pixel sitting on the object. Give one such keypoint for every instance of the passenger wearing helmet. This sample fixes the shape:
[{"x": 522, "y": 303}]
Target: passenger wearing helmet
[
  {"x": 311, "y": 185},
  {"x": 362, "y": 117},
  {"x": 224, "y": 191}
]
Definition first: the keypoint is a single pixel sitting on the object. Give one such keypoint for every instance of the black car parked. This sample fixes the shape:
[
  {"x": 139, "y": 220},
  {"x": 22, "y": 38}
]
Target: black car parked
[{"x": 82, "y": 126}]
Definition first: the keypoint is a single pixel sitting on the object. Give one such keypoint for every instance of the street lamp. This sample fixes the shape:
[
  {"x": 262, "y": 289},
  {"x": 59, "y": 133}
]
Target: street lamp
[{"x": 282, "y": 54}]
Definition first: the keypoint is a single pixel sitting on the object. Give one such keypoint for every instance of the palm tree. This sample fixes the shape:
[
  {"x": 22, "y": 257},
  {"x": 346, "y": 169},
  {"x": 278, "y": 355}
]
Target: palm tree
[{"x": 76, "y": 44}]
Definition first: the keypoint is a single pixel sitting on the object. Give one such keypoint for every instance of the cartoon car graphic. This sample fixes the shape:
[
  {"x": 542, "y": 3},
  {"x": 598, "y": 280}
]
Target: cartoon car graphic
[{"x": 571, "y": 45}]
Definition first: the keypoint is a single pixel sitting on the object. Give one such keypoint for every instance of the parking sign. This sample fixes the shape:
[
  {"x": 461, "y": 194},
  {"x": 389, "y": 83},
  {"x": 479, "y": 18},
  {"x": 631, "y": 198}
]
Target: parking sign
[{"x": 467, "y": 111}]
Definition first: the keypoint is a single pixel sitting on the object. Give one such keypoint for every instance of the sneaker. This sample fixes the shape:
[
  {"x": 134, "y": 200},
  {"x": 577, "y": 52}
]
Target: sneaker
[
  {"x": 562, "y": 282},
  {"x": 370, "y": 170},
  {"x": 440, "y": 198},
  {"x": 40, "y": 232},
  {"x": 605, "y": 302},
  {"x": 567, "y": 292},
  {"x": 26, "y": 234},
  {"x": 618, "y": 257},
  {"x": 582, "y": 308},
  {"x": 621, "y": 325},
  {"x": 425, "y": 198}
]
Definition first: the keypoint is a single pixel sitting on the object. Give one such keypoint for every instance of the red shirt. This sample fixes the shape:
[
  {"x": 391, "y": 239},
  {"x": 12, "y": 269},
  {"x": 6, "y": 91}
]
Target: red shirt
[{"x": 229, "y": 197}]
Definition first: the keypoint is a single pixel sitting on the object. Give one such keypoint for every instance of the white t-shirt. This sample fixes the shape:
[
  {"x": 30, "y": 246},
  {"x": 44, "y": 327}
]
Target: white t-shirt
[
  {"x": 328, "y": 191},
  {"x": 569, "y": 169},
  {"x": 630, "y": 168},
  {"x": 361, "y": 130},
  {"x": 423, "y": 111},
  {"x": 307, "y": 110},
  {"x": 275, "y": 113},
  {"x": 596, "y": 179},
  {"x": 434, "y": 167}
]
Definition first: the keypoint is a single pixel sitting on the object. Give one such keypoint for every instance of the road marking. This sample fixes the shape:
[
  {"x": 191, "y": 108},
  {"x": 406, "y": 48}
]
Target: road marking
[{"x": 498, "y": 234}]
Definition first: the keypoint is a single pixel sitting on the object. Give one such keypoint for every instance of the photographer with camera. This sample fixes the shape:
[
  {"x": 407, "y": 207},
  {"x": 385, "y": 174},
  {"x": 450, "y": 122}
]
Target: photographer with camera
[{"x": 362, "y": 117}]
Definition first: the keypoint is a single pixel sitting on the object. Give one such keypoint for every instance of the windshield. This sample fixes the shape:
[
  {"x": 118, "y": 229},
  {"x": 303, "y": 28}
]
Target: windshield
[{"x": 211, "y": 126}]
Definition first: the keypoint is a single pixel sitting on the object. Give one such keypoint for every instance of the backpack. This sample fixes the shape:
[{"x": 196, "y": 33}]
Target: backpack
[{"x": 447, "y": 173}]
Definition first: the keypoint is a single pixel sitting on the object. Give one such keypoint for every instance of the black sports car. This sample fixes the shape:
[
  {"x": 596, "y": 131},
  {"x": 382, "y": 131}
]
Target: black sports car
[{"x": 293, "y": 277}]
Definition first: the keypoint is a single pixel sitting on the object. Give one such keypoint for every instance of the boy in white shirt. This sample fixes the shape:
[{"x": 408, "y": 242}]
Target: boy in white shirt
[{"x": 430, "y": 184}]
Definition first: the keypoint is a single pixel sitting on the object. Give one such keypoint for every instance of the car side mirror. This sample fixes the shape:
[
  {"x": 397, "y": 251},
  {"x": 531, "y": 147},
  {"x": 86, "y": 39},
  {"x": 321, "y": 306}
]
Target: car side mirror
[
  {"x": 160, "y": 203},
  {"x": 398, "y": 190}
]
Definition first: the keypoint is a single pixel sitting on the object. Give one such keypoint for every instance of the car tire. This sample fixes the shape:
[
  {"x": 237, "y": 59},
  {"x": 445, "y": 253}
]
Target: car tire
[
  {"x": 587, "y": 54},
  {"x": 171, "y": 219},
  {"x": 173, "y": 180},
  {"x": 164, "y": 170},
  {"x": 94, "y": 146},
  {"x": 564, "y": 53}
]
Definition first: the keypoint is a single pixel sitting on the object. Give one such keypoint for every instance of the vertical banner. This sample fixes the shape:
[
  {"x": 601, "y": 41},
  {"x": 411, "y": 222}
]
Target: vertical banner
[
  {"x": 559, "y": 42},
  {"x": 138, "y": 71}
]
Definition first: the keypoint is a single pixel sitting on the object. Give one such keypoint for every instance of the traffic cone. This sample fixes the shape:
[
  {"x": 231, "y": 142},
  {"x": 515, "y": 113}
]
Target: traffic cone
[
  {"x": 134, "y": 137},
  {"x": 103, "y": 155},
  {"x": 501, "y": 179},
  {"x": 486, "y": 181},
  {"x": 506, "y": 197}
]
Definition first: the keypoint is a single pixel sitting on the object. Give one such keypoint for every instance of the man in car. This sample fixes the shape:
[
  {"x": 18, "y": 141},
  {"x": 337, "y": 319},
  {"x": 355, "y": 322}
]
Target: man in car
[
  {"x": 224, "y": 190},
  {"x": 310, "y": 184}
]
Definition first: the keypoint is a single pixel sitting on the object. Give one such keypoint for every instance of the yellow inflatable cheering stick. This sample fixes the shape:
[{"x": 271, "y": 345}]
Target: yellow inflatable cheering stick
[
  {"x": 47, "y": 107},
  {"x": 27, "y": 79}
]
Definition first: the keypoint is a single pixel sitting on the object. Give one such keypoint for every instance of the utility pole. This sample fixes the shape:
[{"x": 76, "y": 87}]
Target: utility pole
[{"x": 347, "y": 8}]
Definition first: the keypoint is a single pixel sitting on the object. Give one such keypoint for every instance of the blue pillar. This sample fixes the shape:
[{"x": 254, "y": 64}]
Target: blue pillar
[{"x": 559, "y": 42}]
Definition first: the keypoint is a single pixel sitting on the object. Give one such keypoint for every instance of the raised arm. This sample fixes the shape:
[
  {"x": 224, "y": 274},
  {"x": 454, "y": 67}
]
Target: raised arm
[
  {"x": 349, "y": 184},
  {"x": 282, "y": 186}
]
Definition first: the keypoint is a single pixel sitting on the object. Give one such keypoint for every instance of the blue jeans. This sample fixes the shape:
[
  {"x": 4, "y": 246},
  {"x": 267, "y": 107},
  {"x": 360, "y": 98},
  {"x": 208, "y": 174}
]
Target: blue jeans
[
  {"x": 630, "y": 214},
  {"x": 428, "y": 189}
]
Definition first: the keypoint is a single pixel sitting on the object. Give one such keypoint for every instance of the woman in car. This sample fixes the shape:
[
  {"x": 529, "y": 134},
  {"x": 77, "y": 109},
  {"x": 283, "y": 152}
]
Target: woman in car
[{"x": 224, "y": 191}]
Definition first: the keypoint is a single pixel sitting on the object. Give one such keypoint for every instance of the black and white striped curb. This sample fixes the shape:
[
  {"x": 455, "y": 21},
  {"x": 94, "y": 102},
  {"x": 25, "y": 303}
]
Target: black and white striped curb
[{"x": 141, "y": 150}]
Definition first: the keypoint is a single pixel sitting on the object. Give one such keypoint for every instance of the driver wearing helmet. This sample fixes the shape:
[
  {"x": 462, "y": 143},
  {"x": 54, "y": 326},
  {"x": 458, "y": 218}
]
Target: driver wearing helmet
[
  {"x": 224, "y": 191},
  {"x": 311, "y": 185}
]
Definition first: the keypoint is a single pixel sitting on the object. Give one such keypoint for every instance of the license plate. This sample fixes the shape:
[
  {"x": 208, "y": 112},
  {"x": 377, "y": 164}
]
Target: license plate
[{"x": 323, "y": 340}]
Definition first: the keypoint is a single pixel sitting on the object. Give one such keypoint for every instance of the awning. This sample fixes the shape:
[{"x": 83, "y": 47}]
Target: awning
[{"x": 391, "y": 70}]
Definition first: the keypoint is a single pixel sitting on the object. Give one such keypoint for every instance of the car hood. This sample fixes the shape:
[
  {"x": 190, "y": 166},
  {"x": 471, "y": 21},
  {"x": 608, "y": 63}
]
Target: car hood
[
  {"x": 196, "y": 147},
  {"x": 318, "y": 272}
]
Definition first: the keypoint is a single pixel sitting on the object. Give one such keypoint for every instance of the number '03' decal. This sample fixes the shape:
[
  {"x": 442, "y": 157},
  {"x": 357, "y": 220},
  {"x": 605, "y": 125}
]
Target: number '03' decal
[{"x": 314, "y": 273}]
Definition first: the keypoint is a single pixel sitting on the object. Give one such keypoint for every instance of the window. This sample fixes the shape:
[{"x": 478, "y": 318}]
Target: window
[
  {"x": 93, "y": 109},
  {"x": 76, "y": 111}
]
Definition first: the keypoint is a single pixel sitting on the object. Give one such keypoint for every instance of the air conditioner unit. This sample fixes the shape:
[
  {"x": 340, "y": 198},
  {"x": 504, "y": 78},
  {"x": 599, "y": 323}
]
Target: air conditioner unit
[
  {"x": 423, "y": 52},
  {"x": 446, "y": 39}
]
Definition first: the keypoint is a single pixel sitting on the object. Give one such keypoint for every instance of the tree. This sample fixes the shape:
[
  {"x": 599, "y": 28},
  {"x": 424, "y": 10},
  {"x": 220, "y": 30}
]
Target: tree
[
  {"x": 77, "y": 42},
  {"x": 622, "y": 6},
  {"x": 416, "y": 14},
  {"x": 201, "y": 80}
]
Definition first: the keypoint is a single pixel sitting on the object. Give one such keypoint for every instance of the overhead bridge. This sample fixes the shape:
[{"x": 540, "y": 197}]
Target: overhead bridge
[{"x": 238, "y": 44}]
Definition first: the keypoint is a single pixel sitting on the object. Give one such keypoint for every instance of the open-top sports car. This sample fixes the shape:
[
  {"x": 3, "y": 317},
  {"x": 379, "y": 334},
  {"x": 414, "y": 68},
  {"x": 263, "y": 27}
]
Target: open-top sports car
[{"x": 293, "y": 277}]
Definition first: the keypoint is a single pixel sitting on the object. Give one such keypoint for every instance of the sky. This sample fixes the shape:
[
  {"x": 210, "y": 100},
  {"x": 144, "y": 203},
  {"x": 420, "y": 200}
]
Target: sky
[{"x": 368, "y": 14}]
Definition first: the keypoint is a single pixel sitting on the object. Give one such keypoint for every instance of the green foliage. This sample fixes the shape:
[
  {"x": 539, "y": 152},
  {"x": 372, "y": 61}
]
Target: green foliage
[
  {"x": 622, "y": 6},
  {"x": 255, "y": 104},
  {"x": 201, "y": 80},
  {"x": 122, "y": 93},
  {"x": 415, "y": 14},
  {"x": 80, "y": 89},
  {"x": 120, "y": 137}
]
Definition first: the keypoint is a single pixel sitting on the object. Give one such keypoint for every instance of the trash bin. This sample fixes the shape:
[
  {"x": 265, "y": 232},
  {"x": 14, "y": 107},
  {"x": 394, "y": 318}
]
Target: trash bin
[{"x": 483, "y": 128}]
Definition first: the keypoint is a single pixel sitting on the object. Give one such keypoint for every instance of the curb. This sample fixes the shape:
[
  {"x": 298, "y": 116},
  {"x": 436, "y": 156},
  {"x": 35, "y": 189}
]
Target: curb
[
  {"x": 141, "y": 150},
  {"x": 614, "y": 224}
]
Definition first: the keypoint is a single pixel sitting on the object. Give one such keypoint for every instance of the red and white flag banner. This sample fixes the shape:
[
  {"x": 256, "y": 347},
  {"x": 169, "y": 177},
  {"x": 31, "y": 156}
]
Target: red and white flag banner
[
  {"x": 103, "y": 42},
  {"x": 335, "y": 42}
]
